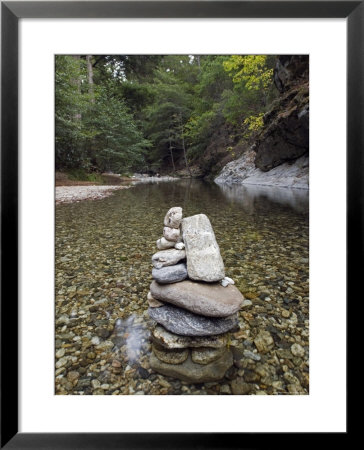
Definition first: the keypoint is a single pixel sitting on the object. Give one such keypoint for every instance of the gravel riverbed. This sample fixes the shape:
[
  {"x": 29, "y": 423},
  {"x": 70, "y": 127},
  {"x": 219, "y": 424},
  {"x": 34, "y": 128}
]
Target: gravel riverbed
[{"x": 103, "y": 273}]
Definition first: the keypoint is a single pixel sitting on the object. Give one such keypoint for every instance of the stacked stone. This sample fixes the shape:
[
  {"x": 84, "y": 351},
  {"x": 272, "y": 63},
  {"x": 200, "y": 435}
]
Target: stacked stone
[{"x": 194, "y": 304}]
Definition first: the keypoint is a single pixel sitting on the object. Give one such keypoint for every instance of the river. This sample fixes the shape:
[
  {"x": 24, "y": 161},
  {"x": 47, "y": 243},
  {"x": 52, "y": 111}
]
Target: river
[{"x": 103, "y": 273}]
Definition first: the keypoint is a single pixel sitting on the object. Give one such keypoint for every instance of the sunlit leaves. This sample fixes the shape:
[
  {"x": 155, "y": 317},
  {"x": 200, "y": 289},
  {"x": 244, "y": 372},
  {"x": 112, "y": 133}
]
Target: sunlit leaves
[{"x": 252, "y": 70}]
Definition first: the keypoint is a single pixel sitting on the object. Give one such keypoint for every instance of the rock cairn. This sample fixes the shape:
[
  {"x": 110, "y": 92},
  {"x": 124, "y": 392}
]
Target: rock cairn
[{"x": 194, "y": 304}]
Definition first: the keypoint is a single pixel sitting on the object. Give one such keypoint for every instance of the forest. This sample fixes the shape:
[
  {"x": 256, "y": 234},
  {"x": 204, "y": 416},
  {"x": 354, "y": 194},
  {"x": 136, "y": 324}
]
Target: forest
[{"x": 157, "y": 113}]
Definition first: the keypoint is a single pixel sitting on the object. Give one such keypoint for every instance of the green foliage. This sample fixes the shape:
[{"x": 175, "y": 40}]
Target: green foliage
[
  {"x": 166, "y": 116},
  {"x": 94, "y": 128},
  {"x": 254, "y": 123},
  {"x": 70, "y": 105},
  {"x": 83, "y": 175},
  {"x": 125, "y": 113},
  {"x": 246, "y": 103},
  {"x": 252, "y": 70},
  {"x": 116, "y": 144}
]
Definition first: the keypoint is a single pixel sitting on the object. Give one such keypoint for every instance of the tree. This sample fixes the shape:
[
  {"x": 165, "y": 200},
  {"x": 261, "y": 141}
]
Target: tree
[
  {"x": 94, "y": 127},
  {"x": 70, "y": 105},
  {"x": 166, "y": 116}
]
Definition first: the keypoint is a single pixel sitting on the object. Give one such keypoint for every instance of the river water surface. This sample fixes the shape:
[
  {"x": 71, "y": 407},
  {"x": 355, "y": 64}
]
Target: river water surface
[{"x": 103, "y": 273}]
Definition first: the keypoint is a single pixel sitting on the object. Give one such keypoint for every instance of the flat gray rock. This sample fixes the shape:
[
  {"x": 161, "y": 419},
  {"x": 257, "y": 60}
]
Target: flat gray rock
[
  {"x": 167, "y": 257},
  {"x": 185, "y": 323},
  {"x": 192, "y": 372},
  {"x": 173, "y": 217},
  {"x": 170, "y": 340},
  {"x": 170, "y": 274},
  {"x": 212, "y": 300},
  {"x": 204, "y": 262}
]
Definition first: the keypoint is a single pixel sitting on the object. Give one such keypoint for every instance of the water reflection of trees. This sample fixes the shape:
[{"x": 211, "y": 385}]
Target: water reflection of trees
[
  {"x": 196, "y": 196},
  {"x": 253, "y": 197}
]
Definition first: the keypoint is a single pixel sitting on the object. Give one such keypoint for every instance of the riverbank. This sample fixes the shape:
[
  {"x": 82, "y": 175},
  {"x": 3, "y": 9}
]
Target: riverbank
[
  {"x": 71, "y": 194},
  {"x": 75, "y": 191}
]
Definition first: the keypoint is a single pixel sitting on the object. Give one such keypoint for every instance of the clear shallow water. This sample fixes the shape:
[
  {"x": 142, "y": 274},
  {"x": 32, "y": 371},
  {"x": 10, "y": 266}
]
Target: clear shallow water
[{"x": 103, "y": 273}]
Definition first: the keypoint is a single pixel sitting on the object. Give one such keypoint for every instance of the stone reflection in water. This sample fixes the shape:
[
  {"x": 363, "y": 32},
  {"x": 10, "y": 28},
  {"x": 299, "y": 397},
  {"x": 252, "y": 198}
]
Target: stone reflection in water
[
  {"x": 130, "y": 336},
  {"x": 103, "y": 271}
]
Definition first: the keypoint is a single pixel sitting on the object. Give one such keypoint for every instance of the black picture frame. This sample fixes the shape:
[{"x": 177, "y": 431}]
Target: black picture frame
[{"x": 11, "y": 12}]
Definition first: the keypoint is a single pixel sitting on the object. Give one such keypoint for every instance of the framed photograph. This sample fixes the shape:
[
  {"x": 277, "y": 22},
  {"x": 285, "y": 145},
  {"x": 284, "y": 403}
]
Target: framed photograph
[{"x": 86, "y": 369}]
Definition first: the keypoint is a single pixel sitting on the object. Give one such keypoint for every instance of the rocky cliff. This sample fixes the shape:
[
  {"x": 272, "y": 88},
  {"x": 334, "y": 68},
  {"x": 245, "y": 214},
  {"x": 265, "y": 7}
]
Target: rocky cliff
[{"x": 279, "y": 156}]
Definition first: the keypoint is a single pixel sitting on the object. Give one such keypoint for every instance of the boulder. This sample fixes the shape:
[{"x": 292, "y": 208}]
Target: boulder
[
  {"x": 185, "y": 323},
  {"x": 285, "y": 135},
  {"x": 171, "y": 340},
  {"x": 167, "y": 257},
  {"x": 192, "y": 372},
  {"x": 212, "y": 300},
  {"x": 173, "y": 217},
  {"x": 204, "y": 262},
  {"x": 290, "y": 70},
  {"x": 170, "y": 274}
]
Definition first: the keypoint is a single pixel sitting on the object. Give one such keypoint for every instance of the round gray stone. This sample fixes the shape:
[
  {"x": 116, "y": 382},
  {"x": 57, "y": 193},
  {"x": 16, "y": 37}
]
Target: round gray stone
[{"x": 170, "y": 274}]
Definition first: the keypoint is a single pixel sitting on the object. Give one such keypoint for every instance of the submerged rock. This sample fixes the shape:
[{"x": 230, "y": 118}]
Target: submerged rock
[
  {"x": 192, "y": 372},
  {"x": 211, "y": 300},
  {"x": 175, "y": 356},
  {"x": 264, "y": 341},
  {"x": 167, "y": 257},
  {"x": 204, "y": 262},
  {"x": 185, "y": 323},
  {"x": 170, "y": 274},
  {"x": 171, "y": 340},
  {"x": 206, "y": 355},
  {"x": 173, "y": 217}
]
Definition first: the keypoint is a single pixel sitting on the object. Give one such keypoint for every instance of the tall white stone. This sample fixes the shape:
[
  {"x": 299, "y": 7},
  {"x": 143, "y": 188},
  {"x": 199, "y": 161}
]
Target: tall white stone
[{"x": 204, "y": 262}]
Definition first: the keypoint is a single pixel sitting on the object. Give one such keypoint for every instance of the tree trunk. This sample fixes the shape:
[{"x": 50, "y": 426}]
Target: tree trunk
[
  {"x": 184, "y": 148},
  {"x": 198, "y": 62},
  {"x": 171, "y": 151},
  {"x": 90, "y": 78},
  {"x": 77, "y": 81}
]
